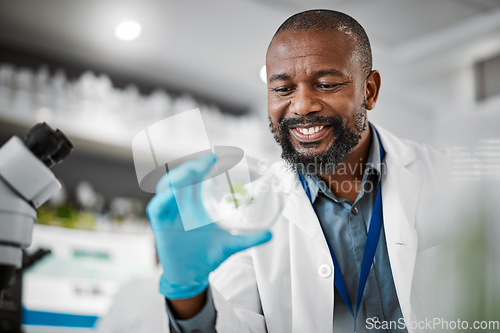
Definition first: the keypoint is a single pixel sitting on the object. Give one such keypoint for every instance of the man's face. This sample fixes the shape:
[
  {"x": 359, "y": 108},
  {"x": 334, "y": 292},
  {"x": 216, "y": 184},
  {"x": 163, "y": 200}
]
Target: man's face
[{"x": 316, "y": 98}]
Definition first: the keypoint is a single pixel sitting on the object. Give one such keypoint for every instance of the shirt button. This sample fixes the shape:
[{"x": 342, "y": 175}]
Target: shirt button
[
  {"x": 324, "y": 271},
  {"x": 376, "y": 319},
  {"x": 354, "y": 210}
]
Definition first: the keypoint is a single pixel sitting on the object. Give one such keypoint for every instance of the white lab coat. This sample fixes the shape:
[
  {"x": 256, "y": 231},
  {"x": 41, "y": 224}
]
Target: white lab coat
[{"x": 287, "y": 284}]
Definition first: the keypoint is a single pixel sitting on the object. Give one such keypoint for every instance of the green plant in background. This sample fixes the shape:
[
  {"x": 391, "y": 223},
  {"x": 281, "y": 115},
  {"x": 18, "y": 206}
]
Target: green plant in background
[
  {"x": 65, "y": 216},
  {"x": 480, "y": 270},
  {"x": 240, "y": 196},
  {"x": 470, "y": 285}
]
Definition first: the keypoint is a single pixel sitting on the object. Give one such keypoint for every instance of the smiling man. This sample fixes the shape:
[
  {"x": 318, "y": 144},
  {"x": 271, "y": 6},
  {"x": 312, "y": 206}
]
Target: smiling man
[
  {"x": 357, "y": 205},
  {"x": 321, "y": 85}
]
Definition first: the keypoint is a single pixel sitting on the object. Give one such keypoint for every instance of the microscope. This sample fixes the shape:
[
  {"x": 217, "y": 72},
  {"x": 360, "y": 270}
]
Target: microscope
[{"x": 26, "y": 182}]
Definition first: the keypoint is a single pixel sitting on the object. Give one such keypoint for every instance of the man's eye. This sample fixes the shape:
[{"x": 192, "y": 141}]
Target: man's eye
[
  {"x": 282, "y": 90},
  {"x": 329, "y": 85}
]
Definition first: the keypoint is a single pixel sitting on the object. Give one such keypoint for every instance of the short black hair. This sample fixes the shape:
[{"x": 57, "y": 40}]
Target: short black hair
[{"x": 329, "y": 19}]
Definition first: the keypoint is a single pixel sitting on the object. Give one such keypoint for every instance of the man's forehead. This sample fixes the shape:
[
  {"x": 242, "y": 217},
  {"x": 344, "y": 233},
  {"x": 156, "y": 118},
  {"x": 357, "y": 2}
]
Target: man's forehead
[
  {"x": 311, "y": 42},
  {"x": 314, "y": 50}
]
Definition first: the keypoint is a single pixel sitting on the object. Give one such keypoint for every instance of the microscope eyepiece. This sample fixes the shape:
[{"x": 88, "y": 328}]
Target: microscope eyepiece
[{"x": 50, "y": 146}]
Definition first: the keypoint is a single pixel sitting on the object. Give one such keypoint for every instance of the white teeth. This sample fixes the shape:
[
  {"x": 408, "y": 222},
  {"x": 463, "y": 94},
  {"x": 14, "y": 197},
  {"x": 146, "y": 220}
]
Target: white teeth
[{"x": 310, "y": 130}]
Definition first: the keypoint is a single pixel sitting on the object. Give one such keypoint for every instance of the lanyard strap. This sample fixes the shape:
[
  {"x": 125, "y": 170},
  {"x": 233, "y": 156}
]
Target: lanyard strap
[{"x": 370, "y": 246}]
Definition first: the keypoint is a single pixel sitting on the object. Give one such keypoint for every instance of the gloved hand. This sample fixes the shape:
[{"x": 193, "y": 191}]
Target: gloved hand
[{"x": 188, "y": 257}]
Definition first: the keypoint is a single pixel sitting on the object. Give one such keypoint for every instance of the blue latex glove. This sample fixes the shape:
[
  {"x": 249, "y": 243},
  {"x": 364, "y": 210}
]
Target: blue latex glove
[{"x": 188, "y": 257}]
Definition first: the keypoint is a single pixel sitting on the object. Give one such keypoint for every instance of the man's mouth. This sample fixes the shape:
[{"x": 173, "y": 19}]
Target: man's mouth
[{"x": 310, "y": 133}]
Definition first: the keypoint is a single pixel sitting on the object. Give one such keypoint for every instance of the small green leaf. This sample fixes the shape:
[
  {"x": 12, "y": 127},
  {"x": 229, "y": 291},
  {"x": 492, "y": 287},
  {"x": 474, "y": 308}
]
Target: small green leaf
[{"x": 238, "y": 188}]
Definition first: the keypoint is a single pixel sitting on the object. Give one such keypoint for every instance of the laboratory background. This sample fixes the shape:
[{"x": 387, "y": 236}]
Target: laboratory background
[{"x": 102, "y": 71}]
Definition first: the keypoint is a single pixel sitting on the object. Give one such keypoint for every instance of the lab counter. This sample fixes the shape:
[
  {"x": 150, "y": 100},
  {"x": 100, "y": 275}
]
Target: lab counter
[{"x": 71, "y": 288}]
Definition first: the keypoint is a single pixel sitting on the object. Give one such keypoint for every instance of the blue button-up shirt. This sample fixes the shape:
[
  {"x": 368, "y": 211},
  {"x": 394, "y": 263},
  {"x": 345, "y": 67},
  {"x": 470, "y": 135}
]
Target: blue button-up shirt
[{"x": 345, "y": 224}]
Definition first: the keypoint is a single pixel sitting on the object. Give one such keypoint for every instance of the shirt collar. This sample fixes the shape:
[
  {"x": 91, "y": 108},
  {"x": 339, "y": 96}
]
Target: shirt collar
[{"x": 372, "y": 166}]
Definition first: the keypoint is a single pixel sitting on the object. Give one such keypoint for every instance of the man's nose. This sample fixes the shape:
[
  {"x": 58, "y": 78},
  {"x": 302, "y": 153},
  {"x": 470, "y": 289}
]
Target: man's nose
[{"x": 304, "y": 101}]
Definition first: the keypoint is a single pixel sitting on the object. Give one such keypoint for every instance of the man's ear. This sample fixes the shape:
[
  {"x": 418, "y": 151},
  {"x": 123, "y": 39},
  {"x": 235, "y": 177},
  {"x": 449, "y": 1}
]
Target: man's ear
[{"x": 372, "y": 87}]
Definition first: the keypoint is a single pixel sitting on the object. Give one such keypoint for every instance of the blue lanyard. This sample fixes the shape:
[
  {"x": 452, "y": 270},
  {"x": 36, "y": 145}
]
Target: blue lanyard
[{"x": 370, "y": 246}]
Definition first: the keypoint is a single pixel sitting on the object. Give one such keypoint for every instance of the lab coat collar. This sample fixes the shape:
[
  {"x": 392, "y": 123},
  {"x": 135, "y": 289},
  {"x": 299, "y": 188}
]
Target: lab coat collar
[
  {"x": 396, "y": 149},
  {"x": 298, "y": 209}
]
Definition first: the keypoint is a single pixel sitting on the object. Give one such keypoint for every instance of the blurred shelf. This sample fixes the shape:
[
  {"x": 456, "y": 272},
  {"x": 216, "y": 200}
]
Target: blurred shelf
[{"x": 84, "y": 138}]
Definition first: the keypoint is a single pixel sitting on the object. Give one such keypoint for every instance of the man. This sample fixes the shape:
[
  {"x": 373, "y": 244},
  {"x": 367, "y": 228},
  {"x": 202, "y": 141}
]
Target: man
[{"x": 353, "y": 195}]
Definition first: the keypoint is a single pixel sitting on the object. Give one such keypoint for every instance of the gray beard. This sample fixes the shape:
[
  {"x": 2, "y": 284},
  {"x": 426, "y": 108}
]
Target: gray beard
[{"x": 327, "y": 162}]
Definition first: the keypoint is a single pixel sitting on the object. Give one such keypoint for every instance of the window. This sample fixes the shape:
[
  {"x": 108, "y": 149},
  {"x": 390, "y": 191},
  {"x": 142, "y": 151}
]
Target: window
[{"x": 487, "y": 74}]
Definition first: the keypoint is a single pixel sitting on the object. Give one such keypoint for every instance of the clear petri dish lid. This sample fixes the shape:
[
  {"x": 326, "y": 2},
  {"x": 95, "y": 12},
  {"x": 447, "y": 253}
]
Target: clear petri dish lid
[{"x": 239, "y": 196}]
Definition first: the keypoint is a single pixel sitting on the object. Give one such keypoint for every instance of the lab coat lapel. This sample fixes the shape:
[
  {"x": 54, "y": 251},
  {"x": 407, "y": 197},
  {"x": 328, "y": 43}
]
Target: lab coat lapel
[
  {"x": 400, "y": 195},
  {"x": 311, "y": 294},
  {"x": 298, "y": 209}
]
